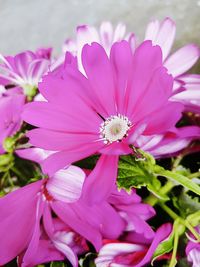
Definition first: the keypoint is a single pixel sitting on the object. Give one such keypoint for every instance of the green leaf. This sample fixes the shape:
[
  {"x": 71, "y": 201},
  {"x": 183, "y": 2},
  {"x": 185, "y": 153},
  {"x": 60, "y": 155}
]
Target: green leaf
[
  {"x": 180, "y": 179},
  {"x": 134, "y": 172},
  {"x": 194, "y": 219},
  {"x": 164, "y": 247},
  {"x": 168, "y": 244},
  {"x": 186, "y": 204}
]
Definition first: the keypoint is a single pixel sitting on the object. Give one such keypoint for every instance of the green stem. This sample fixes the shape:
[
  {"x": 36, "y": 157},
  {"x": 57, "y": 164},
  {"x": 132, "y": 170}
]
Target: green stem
[
  {"x": 192, "y": 230},
  {"x": 177, "y": 162},
  {"x": 171, "y": 213},
  {"x": 152, "y": 199},
  {"x": 194, "y": 175},
  {"x": 181, "y": 179},
  {"x": 173, "y": 260},
  {"x": 174, "y": 216}
]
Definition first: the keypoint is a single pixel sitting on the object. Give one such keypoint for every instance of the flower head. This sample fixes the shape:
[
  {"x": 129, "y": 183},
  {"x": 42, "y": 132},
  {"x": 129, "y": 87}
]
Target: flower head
[
  {"x": 122, "y": 97},
  {"x": 24, "y": 70},
  {"x": 186, "y": 86},
  {"x": 133, "y": 253}
]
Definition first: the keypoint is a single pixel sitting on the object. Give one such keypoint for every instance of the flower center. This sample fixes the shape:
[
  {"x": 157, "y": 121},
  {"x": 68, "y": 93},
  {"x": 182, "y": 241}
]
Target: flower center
[{"x": 115, "y": 128}]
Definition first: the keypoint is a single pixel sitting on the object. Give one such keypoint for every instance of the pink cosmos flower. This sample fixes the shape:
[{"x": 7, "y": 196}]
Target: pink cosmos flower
[
  {"x": 186, "y": 86},
  {"x": 136, "y": 252},
  {"x": 193, "y": 251},
  {"x": 24, "y": 70},
  {"x": 122, "y": 97},
  {"x": 131, "y": 213},
  {"x": 106, "y": 36},
  {"x": 26, "y": 214},
  {"x": 11, "y": 105}
]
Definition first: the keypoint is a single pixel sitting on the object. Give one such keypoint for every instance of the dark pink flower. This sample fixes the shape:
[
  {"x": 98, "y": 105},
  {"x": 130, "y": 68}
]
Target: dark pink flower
[
  {"x": 129, "y": 213},
  {"x": 24, "y": 70},
  {"x": 11, "y": 106},
  {"x": 132, "y": 253},
  {"x": 122, "y": 97},
  {"x": 26, "y": 213}
]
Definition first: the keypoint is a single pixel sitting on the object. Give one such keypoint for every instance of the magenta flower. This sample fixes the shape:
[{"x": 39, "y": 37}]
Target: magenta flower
[
  {"x": 22, "y": 211},
  {"x": 24, "y": 70},
  {"x": 136, "y": 252},
  {"x": 186, "y": 86},
  {"x": 56, "y": 243},
  {"x": 169, "y": 143},
  {"x": 129, "y": 213},
  {"x": 120, "y": 99},
  {"x": 11, "y": 106},
  {"x": 190, "y": 97}
]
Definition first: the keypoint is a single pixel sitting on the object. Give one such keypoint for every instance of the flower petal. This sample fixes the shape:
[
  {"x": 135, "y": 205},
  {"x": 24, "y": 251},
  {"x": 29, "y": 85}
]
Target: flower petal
[
  {"x": 98, "y": 69},
  {"x": 101, "y": 180},
  {"x": 157, "y": 32},
  {"x": 66, "y": 185},
  {"x": 182, "y": 60}
]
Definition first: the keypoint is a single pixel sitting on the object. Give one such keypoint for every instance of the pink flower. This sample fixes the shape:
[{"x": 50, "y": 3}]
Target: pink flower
[
  {"x": 106, "y": 36},
  {"x": 24, "y": 70},
  {"x": 169, "y": 143},
  {"x": 121, "y": 99},
  {"x": 129, "y": 213},
  {"x": 133, "y": 253},
  {"x": 11, "y": 105},
  {"x": 186, "y": 86},
  {"x": 22, "y": 211}
]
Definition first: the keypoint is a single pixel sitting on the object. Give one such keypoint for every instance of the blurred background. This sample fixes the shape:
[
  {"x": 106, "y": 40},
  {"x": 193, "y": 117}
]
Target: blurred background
[{"x": 29, "y": 24}]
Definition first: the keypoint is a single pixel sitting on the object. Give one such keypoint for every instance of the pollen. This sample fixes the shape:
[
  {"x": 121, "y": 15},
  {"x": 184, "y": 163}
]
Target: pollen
[{"x": 114, "y": 128}]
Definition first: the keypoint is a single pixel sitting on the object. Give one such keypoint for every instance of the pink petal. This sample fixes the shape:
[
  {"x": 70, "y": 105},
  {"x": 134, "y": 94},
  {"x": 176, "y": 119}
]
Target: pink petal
[
  {"x": 142, "y": 73},
  {"x": 159, "y": 88},
  {"x": 161, "y": 234},
  {"x": 50, "y": 116},
  {"x": 62, "y": 159},
  {"x": 34, "y": 154},
  {"x": 54, "y": 140},
  {"x": 31, "y": 251},
  {"x": 121, "y": 59},
  {"x": 17, "y": 216},
  {"x": 98, "y": 69},
  {"x": 60, "y": 93},
  {"x": 71, "y": 218},
  {"x": 109, "y": 251},
  {"x": 119, "y": 32},
  {"x": 162, "y": 34},
  {"x": 106, "y": 34},
  {"x": 155, "y": 125},
  {"x": 100, "y": 182},
  {"x": 182, "y": 60},
  {"x": 67, "y": 251},
  {"x": 109, "y": 230},
  {"x": 66, "y": 185},
  {"x": 85, "y": 35}
]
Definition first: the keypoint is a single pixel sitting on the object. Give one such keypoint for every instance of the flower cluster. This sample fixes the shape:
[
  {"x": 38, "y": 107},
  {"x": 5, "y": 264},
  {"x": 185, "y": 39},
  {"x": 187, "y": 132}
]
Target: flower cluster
[{"x": 94, "y": 145}]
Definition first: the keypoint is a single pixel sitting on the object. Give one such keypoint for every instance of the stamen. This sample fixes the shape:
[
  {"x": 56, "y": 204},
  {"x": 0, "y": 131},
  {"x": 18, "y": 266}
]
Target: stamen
[{"x": 115, "y": 128}]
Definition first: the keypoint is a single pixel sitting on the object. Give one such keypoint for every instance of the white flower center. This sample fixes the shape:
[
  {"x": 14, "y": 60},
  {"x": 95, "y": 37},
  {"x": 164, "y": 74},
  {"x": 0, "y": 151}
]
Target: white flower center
[{"x": 115, "y": 128}]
